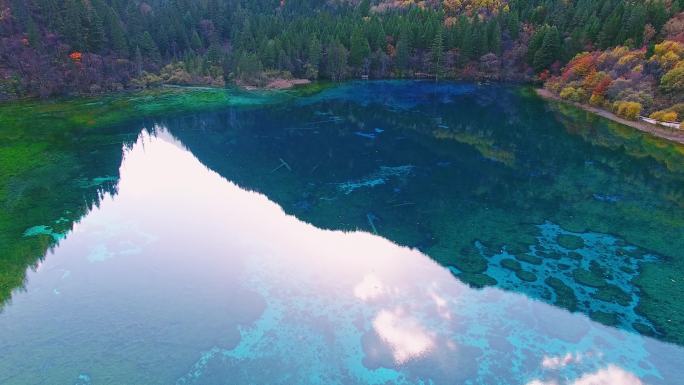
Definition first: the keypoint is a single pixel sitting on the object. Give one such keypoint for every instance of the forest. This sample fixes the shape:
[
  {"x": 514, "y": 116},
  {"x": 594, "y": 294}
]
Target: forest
[{"x": 621, "y": 54}]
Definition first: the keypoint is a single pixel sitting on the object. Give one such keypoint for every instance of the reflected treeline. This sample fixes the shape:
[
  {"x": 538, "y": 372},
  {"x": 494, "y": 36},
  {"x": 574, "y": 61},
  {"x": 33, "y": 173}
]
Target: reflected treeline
[
  {"x": 58, "y": 157},
  {"x": 484, "y": 180},
  {"x": 605, "y": 133},
  {"x": 49, "y": 179}
]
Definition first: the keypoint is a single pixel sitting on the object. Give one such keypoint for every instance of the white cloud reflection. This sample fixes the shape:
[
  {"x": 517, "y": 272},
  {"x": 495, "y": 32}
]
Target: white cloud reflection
[
  {"x": 441, "y": 304},
  {"x": 345, "y": 287},
  {"x": 610, "y": 375},
  {"x": 557, "y": 362},
  {"x": 369, "y": 288},
  {"x": 407, "y": 338}
]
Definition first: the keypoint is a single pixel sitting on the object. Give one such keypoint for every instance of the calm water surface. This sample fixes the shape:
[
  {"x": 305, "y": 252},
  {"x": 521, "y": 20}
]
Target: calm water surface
[{"x": 374, "y": 233}]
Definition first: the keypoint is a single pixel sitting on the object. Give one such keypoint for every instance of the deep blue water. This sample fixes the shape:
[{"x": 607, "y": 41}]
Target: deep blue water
[{"x": 374, "y": 233}]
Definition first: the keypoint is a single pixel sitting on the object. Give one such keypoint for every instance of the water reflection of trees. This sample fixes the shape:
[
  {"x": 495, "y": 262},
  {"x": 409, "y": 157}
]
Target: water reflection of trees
[
  {"x": 480, "y": 182},
  {"x": 47, "y": 193}
]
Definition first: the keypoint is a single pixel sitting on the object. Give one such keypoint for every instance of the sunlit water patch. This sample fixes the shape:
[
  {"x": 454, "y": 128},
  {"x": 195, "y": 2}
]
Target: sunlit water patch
[{"x": 185, "y": 277}]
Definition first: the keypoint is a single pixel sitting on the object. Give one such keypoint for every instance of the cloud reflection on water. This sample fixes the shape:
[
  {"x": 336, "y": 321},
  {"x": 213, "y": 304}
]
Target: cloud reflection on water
[
  {"x": 232, "y": 285},
  {"x": 405, "y": 335},
  {"x": 610, "y": 375}
]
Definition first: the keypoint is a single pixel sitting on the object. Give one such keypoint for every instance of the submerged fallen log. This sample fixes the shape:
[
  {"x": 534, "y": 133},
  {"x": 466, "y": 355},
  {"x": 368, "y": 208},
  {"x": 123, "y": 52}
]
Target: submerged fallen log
[
  {"x": 371, "y": 218},
  {"x": 282, "y": 164}
]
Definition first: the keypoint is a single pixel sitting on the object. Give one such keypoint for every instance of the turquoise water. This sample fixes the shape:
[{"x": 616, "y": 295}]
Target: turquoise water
[{"x": 374, "y": 233}]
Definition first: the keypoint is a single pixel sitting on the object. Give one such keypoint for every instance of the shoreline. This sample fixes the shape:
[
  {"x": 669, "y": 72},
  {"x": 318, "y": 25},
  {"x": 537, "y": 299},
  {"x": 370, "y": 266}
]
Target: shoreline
[
  {"x": 672, "y": 135},
  {"x": 663, "y": 133},
  {"x": 275, "y": 84}
]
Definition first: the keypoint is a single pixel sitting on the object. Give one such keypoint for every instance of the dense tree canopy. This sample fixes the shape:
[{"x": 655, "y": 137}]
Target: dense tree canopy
[
  {"x": 629, "y": 81},
  {"x": 130, "y": 43}
]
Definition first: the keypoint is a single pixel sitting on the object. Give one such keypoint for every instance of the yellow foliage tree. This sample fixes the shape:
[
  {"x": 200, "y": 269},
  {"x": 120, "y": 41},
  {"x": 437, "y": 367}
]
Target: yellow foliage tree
[
  {"x": 668, "y": 53},
  {"x": 454, "y": 7},
  {"x": 596, "y": 100},
  {"x": 628, "y": 110},
  {"x": 673, "y": 80},
  {"x": 664, "y": 116},
  {"x": 574, "y": 94}
]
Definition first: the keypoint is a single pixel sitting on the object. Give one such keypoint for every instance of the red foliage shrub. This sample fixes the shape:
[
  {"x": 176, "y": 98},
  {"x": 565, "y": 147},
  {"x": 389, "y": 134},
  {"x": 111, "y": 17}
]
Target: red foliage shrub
[
  {"x": 602, "y": 86},
  {"x": 544, "y": 75},
  {"x": 579, "y": 66}
]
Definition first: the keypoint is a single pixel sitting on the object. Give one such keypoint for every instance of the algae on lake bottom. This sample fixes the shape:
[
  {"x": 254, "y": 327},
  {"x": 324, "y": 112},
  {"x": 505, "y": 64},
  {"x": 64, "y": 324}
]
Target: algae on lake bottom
[
  {"x": 570, "y": 210},
  {"x": 58, "y": 157}
]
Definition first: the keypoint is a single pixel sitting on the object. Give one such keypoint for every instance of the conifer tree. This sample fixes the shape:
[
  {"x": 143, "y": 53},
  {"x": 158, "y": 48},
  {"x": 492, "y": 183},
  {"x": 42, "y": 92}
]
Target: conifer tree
[
  {"x": 314, "y": 57},
  {"x": 95, "y": 33},
  {"x": 195, "y": 41},
  {"x": 117, "y": 36},
  {"x": 437, "y": 53},
  {"x": 494, "y": 37},
  {"x": 402, "y": 54},
  {"x": 359, "y": 50},
  {"x": 149, "y": 48},
  {"x": 466, "y": 44},
  {"x": 138, "y": 61},
  {"x": 549, "y": 50},
  {"x": 72, "y": 23},
  {"x": 337, "y": 61}
]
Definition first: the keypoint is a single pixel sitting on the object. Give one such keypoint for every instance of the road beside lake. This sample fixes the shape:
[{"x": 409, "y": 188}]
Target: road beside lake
[{"x": 669, "y": 134}]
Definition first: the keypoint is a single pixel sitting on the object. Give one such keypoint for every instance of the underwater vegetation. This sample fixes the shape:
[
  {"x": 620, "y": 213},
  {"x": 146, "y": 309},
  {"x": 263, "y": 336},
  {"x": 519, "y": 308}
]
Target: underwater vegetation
[
  {"x": 168, "y": 283},
  {"x": 48, "y": 182},
  {"x": 58, "y": 157},
  {"x": 606, "y": 133},
  {"x": 539, "y": 199},
  {"x": 570, "y": 221}
]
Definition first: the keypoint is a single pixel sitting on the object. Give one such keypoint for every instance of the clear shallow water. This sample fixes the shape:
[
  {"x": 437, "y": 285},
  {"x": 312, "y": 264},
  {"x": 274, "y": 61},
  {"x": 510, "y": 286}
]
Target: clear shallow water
[{"x": 216, "y": 250}]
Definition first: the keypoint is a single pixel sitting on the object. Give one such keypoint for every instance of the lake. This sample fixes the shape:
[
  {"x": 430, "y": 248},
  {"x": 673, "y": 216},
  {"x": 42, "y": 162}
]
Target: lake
[{"x": 383, "y": 232}]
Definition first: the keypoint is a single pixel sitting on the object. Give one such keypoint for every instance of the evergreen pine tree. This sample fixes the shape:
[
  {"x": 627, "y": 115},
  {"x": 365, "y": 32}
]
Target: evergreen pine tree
[
  {"x": 478, "y": 40},
  {"x": 95, "y": 33},
  {"x": 494, "y": 36},
  {"x": 138, "y": 61},
  {"x": 149, "y": 48},
  {"x": 314, "y": 52},
  {"x": 466, "y": 44},
  {"x": 437, "y": 53},
  {"x": 195, "y": 41},
  {"x": 549, "y": 51},
  {"x": 117, "y": 36},
  {"x": 377, "y": 35},
  {"x": 513, "y": 25},
  {"x": 609, "y": 31},
  {"x": 33, "y": 33},
  {"x": 359, "y": 50},
  {"x": 636, "y": 24},
  {"x": 535, "y": 43},
  {"x": 72, "y": 23},
  {"x": 364, "y": 8},
  {"x": 337, "y": 61},
  {"x": 213, "y": 56},
  {"x": 403, "y": 53}
]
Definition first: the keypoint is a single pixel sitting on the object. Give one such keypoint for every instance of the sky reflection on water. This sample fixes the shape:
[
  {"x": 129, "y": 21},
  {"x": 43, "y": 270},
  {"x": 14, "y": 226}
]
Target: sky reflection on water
[{"x": 185, "y": 277}]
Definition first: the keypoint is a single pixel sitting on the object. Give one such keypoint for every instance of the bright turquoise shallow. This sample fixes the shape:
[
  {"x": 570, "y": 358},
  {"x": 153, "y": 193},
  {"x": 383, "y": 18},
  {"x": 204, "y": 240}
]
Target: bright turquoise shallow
[{"x": 374, "y": 233}]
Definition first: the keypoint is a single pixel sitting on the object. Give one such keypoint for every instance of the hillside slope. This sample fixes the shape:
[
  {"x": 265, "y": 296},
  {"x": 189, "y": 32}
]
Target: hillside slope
[{"x": 51, "y": 47}]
